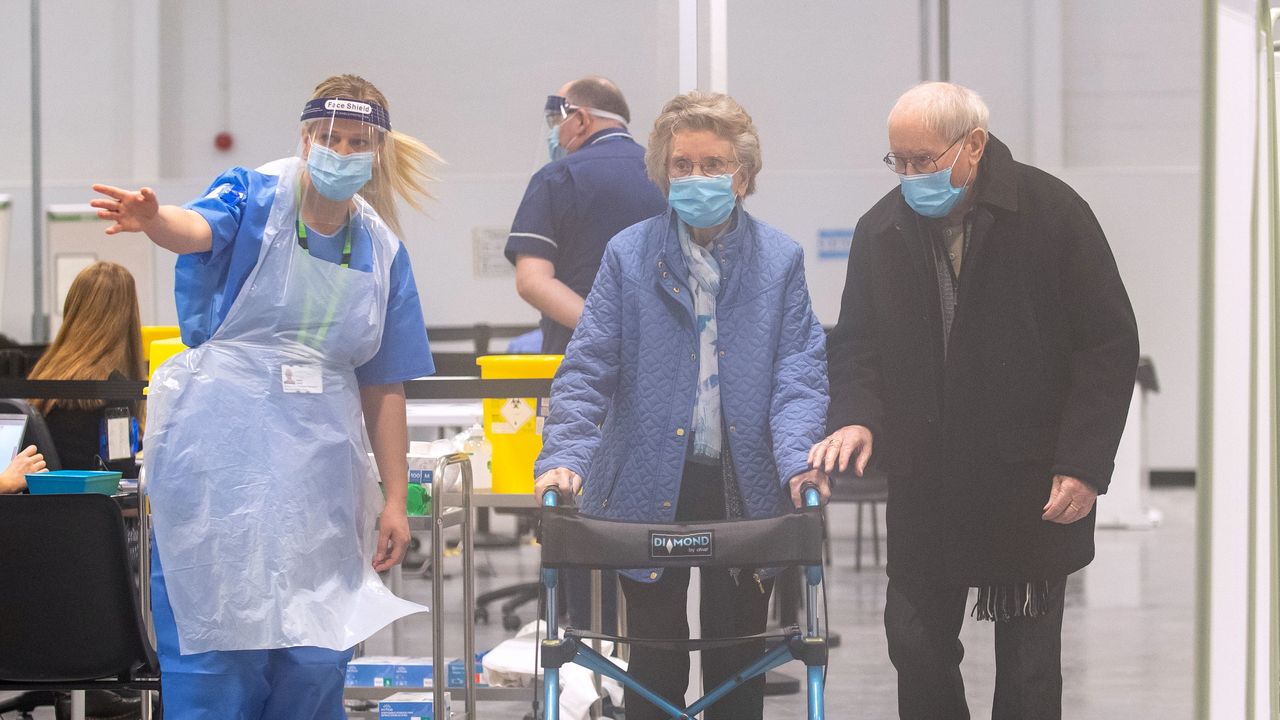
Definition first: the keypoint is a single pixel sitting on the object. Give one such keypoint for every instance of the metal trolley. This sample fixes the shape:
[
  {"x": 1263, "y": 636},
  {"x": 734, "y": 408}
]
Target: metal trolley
[{"x": 573, "y": 540}]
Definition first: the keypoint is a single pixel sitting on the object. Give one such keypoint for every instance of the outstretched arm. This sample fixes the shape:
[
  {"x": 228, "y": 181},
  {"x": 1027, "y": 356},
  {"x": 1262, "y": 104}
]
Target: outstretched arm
[{"x": 171, "y": 227}]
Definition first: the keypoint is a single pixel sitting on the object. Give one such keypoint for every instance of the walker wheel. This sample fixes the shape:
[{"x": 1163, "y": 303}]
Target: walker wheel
[{"x": 511, "y": 622}]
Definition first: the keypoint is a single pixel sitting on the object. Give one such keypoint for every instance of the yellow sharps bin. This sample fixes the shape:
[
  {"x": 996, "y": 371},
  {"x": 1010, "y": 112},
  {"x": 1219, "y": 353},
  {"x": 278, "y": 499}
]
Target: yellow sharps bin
[
  {"x": 151, "y": 333},
  {"x": 513, "y": 426},
  {"x": 162, "y": 350}
]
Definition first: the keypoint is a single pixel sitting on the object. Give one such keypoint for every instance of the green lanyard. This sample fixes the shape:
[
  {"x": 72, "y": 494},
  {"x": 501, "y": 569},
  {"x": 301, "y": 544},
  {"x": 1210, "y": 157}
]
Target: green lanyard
[
  {"x": 310, "y": 333},
  {"x": 302, "y": 229}
]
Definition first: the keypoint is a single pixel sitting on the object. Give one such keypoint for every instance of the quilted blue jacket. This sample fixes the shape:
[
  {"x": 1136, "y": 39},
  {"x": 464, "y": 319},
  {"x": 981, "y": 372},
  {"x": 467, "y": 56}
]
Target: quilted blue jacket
[{"x": 622, "y": 401}]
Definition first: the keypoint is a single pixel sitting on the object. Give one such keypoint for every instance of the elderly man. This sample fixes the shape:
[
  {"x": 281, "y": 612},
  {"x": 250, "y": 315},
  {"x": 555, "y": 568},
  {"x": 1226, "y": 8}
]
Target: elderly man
[
  {"x": 986, "y": 350},
  {"x": 594, "y": 188}
]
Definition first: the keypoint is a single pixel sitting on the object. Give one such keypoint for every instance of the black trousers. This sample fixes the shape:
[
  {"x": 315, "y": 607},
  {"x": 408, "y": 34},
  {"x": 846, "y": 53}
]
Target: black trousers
[
  {"x": 728, "y": 608},
  {"x": 922, "y": 622},
  {"x": 577, "y": 593}
]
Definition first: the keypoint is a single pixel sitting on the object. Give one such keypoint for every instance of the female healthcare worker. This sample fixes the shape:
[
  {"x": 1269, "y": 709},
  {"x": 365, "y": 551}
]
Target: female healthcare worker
[{"x": 299, "y": 303}]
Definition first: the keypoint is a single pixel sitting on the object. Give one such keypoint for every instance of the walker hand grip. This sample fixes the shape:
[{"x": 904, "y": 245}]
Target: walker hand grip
[
  {"x": 551, "y": 498},
  {"x": 812, "y": 498}
]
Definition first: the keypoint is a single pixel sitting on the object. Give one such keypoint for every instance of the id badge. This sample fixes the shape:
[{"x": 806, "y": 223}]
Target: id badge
[
  {"x": 301, "y": 379},
  {"x": 117, "y": 434}
]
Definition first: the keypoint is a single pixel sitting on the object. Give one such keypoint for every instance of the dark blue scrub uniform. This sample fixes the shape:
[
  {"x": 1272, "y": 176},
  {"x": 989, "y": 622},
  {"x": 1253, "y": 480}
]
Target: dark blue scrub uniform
[{"x": 572, "y": 208}]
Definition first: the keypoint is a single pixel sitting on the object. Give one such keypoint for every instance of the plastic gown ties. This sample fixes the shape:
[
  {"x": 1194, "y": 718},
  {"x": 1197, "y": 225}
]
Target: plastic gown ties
[{"x": 264, "y": 499}]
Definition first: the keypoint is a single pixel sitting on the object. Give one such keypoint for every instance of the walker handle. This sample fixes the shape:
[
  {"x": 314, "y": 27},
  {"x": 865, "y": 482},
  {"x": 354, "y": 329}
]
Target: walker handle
[
  {"x": 812, "y": 498},
  {"x": 551, "y": 498}
]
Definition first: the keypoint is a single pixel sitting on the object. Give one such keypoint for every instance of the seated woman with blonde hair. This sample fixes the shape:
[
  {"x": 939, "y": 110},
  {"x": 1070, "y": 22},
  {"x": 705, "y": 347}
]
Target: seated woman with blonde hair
[{"x": 100, "y": 339}]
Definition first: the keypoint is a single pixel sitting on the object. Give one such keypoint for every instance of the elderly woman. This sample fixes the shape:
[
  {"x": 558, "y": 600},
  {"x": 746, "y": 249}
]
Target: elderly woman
[{"x": 693, "y": 388}]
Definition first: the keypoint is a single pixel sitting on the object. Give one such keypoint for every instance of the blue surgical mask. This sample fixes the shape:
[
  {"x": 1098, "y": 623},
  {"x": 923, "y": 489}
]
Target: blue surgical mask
[
  {"x": 702, "y": 201},
  {"x": 931, "y": 194},
  {"x": 338, "y": 177},
  {"x": 554, "y": 147}
]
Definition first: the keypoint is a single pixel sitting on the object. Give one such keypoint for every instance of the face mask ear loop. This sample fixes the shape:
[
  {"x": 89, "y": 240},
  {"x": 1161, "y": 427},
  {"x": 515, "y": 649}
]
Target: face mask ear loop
[
  {"x": 961, "y": 150},
  {"x": 559, "y": 127}
]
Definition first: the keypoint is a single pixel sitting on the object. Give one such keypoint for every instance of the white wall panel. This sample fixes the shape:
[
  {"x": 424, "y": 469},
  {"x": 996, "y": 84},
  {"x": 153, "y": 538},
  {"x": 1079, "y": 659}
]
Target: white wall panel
[{"x": 469, "y": 78}]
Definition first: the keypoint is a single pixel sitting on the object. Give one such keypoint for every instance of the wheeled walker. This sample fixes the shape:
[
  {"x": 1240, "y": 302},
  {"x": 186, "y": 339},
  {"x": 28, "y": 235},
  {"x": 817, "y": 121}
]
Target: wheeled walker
[{"x": 573, "y": 540}]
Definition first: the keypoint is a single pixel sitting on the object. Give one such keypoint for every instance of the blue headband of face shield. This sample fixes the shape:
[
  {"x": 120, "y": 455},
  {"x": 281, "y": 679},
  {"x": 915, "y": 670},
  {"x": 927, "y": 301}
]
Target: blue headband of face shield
[{"x": 361, "y": 110}]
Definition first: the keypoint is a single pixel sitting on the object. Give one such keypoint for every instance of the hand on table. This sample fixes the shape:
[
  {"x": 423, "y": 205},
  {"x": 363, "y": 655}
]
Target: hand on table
[{"x": 13, "y": 478}]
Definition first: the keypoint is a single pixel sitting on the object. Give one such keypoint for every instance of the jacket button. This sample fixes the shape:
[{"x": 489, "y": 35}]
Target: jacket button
[
  {"x": 675, "y": 289},
  {"x": 679, "y": 432},
  {"x": 653, "y": 575},
  {"x": 666, "y": 503},
  {"x": 665, "y": 273},
  {"x": 721, "y": 353},
  {"x": 733, "y": 428},
  {"x": 661, "y": 264},
  {"x": 693, "y": 356}
]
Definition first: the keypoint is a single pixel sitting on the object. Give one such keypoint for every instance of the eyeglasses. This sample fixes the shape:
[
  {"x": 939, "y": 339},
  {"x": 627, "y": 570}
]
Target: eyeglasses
[
  {"x": 922, "y": 164},
  {"x": 712, "y": 166}
]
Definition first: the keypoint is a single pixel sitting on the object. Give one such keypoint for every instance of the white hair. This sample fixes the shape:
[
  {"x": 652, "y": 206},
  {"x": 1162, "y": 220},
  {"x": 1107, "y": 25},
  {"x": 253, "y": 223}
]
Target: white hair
[{"x": 947, "y": 110}]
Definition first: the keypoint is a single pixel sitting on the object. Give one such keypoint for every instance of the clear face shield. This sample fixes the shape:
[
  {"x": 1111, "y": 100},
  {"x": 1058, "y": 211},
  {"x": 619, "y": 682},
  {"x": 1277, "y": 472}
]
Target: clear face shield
[
  {"x": 346, "y": 149},
  {"x": 565, "y": 125}
]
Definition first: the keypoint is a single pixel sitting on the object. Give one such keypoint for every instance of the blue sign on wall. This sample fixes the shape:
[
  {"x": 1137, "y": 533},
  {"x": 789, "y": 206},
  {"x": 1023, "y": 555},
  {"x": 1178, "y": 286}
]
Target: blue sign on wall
[{"x": 833, "y": 243}]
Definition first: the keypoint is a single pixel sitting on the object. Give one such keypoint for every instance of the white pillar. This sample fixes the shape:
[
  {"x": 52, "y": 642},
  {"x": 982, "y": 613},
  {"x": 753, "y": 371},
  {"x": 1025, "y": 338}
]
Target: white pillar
[
  {"x": 718, "y": 54},
  {"x": 1047, "y": 86},
  {"x": 145, "y": 103},
  {"x": 688, "y": 46}
]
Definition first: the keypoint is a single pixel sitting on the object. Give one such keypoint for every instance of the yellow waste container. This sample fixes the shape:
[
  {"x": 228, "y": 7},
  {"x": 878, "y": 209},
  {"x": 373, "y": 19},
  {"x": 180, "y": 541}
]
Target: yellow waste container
[
  {"x": 162, "y": 350},
  {"x": 151, "y": 333},
  {"x": 513, "y": 426}
]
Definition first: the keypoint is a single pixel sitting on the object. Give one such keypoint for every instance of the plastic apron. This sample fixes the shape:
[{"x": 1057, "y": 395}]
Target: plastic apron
[{"x": 263, "y": 496}]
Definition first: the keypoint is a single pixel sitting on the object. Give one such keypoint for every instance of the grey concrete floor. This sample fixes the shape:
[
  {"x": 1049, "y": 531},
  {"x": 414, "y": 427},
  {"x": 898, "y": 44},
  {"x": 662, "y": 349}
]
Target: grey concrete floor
[{"x": 1127, "y": 634}]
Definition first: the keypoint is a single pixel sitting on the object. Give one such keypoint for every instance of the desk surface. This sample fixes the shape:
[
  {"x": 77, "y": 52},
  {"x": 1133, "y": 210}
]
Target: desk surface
[
  {"x": 490, "y": 499},
  {"x": 443, "y": 413}
]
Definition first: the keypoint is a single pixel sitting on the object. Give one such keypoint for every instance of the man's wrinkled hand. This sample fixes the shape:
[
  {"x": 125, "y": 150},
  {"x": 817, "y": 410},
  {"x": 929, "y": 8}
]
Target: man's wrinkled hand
[
  {"x": 1069, "y": 500},
  {"x": 833, "y": 453}
]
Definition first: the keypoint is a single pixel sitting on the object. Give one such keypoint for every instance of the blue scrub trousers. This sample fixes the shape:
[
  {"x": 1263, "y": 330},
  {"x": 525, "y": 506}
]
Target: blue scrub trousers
[{"x": 300, "y": 683}]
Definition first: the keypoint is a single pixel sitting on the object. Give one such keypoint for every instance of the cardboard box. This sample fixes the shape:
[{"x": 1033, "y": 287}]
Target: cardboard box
[
  {"x": 456, "y": 677},
  {"x": 412, "y": 706},
  {"x": 375, "y": 671}
]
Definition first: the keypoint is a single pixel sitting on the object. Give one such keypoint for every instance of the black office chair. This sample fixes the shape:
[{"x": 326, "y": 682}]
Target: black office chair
[
  {"x": 872, "y": 489},
  {"x": 16, "y": 362},
  {"x": 37, "y": 431},
  {"x": 71, "y": 616}
]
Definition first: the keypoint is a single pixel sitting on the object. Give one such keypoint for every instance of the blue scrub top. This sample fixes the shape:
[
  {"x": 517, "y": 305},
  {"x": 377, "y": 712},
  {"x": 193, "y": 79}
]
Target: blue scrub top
[
  {"x": 237, "y": 206},
  {"x": 572, "y": 208}
]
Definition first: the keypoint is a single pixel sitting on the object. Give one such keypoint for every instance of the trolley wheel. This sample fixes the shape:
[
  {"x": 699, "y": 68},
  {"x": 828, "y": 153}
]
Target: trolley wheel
[
  {"x": 511, "y": 622},
  {"x": 482, "y": 615}
]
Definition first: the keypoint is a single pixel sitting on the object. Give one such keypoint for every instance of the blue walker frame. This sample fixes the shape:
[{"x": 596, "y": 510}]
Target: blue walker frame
[{"x": 809, "y": 647}]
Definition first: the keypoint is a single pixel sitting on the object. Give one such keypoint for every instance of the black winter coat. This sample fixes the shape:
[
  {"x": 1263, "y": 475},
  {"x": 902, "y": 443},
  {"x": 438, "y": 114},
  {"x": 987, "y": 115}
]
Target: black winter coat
[{"x": 1036, "y": 380}]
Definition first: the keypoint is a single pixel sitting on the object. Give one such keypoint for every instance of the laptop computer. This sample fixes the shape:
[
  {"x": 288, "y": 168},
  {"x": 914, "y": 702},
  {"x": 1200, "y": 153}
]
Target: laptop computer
[{"x": 13, "y": 426}]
